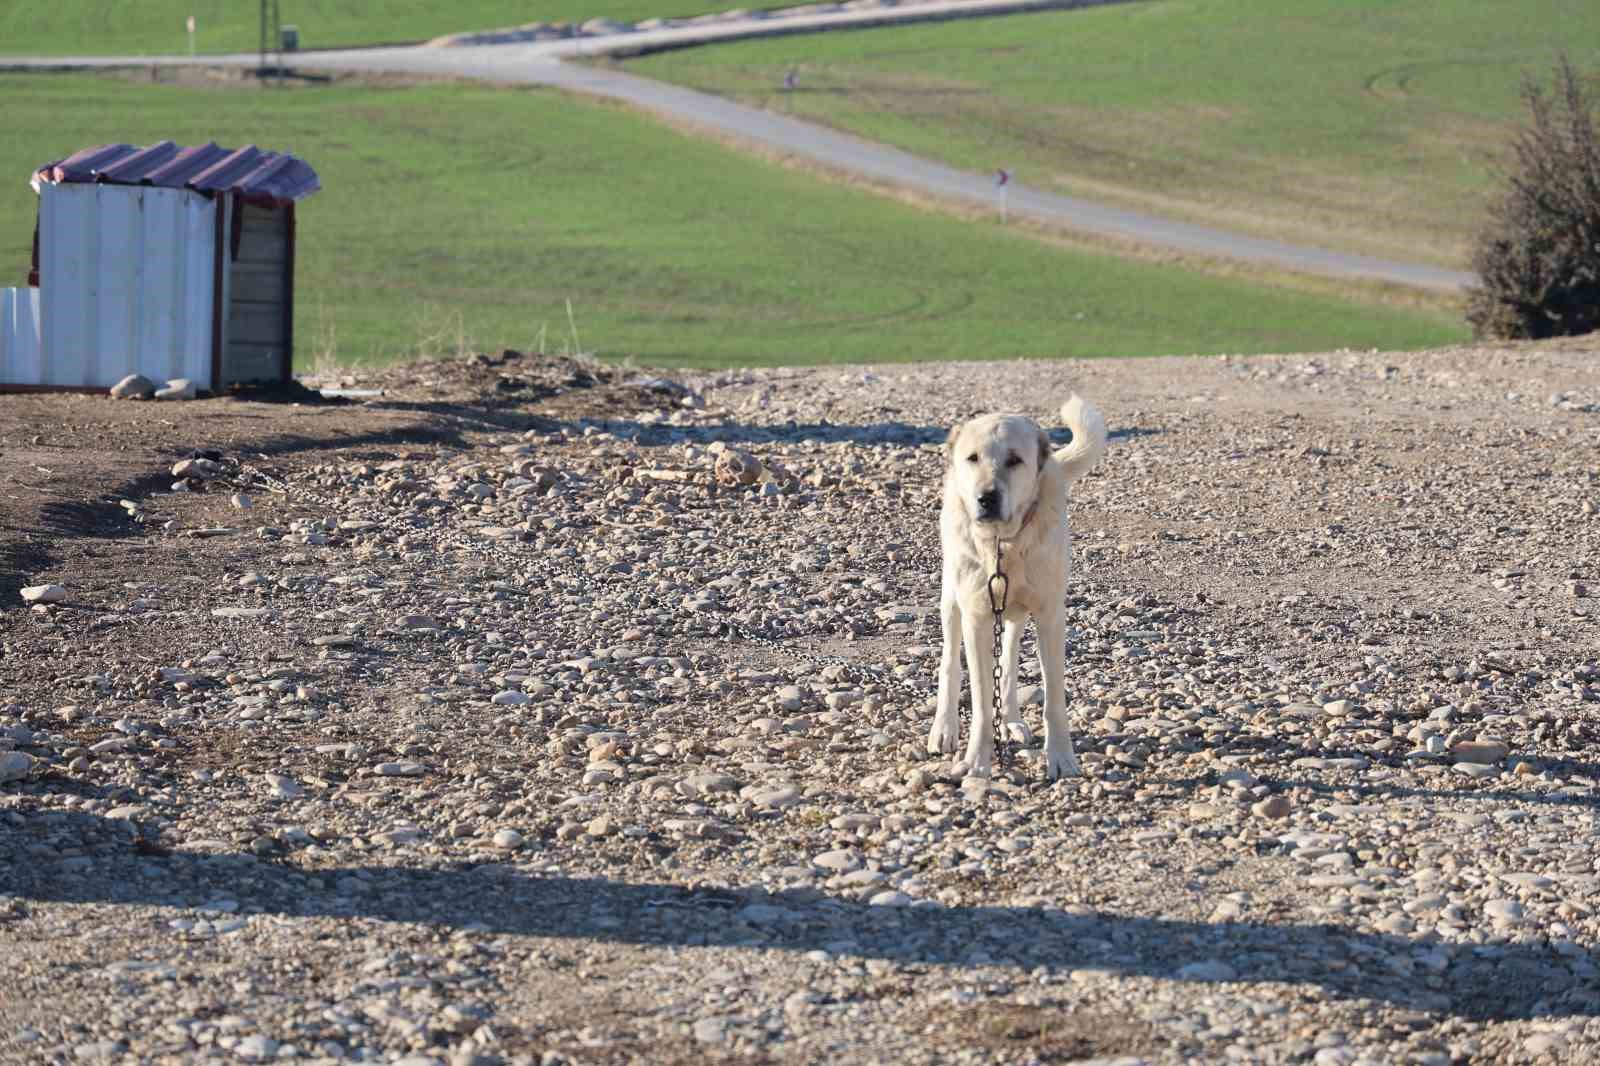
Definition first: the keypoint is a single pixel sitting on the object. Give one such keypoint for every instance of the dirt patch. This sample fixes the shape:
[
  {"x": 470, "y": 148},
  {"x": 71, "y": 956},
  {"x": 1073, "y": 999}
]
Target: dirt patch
[
  {"x": 1046, "y": 1033},
  {"x": 68, "y": 460}
]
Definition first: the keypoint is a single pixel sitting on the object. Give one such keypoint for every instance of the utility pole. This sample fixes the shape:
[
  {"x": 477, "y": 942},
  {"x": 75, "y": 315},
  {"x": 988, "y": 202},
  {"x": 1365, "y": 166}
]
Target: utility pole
[{"x": 271, "y": 34}]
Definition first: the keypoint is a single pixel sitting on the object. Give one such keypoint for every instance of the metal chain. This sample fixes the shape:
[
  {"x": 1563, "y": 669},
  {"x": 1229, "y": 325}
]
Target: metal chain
[{"x": 1002, "y": 739}]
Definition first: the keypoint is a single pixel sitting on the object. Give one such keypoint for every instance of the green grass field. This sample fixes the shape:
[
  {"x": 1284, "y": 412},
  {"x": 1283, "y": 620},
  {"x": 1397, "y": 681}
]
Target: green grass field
[
  {"x": 458, "y": 211},
  {"x": 1367, "y": 125},
  {"x": 149, "y": 27}
]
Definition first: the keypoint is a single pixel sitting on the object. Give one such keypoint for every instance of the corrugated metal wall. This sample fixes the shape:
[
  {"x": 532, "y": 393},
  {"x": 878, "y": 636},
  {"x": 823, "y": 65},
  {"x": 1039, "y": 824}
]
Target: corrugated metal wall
[
  {"x": 125, "y": 283},
  {"x": 20, "y": 358}
]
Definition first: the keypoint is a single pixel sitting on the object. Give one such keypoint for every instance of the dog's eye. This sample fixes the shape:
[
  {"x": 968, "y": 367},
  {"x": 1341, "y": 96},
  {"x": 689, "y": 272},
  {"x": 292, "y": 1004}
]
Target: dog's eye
[
  {"x": 1013, "y": 459},
  {"x": 972, "y": 458}
]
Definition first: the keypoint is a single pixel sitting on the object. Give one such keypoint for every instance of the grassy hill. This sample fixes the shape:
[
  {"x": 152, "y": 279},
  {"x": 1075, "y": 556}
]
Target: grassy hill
[
  {"x": 1367, "y": 125},
  {"x": 121, "y": 27},
  {"x": 459, "y": 215}
]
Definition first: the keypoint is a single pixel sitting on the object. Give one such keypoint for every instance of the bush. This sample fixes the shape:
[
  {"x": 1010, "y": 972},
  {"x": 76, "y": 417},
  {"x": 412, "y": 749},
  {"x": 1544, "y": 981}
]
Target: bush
[{"x": 1538, "y": 259}]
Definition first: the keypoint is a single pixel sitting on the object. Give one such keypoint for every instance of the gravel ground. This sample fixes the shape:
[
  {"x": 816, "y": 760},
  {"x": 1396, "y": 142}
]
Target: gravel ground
[{"x": 568, "y": 715}]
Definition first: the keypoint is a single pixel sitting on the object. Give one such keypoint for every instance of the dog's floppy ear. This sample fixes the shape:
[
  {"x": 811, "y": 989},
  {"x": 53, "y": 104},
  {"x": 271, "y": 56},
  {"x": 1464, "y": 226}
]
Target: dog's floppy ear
[
  {"x": 950, "y": 445},
  {"x": 1044, "y": 448}
]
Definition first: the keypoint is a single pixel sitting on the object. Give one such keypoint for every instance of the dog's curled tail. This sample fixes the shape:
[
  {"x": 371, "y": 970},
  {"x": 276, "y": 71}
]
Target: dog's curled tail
[{"x": 1088, "y": 437}]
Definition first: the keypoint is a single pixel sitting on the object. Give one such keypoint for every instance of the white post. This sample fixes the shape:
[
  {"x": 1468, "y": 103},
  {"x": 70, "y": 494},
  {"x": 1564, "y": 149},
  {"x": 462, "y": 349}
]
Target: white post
[{"x": 190, "y": 25}]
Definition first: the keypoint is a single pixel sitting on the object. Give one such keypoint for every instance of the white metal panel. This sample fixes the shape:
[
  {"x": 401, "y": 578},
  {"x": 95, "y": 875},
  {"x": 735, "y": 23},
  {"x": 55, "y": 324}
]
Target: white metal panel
[
  {"x": 125, "y": 277},
  {"x": 20, "y": 359}
]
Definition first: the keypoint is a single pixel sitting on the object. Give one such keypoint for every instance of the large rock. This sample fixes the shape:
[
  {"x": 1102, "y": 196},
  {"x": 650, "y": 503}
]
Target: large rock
[
  {"x": 705, "y": 783},
  {"x": 735, "y": 466},
  {"x": 177, "y": 389},
  {"x": 204, "y": 469},
  {"x": 14, "y": 765},
  {"x": 1273, "y": 807},
  {"x": 44, "y": 594},
  {"x": 133, "y": 387},
  {"x": 1484, "y": 750}
]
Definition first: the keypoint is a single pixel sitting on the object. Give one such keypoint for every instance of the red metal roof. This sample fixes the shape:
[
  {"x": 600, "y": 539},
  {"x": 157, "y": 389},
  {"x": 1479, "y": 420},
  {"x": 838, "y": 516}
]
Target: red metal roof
[{"x": 263, "y": 177}]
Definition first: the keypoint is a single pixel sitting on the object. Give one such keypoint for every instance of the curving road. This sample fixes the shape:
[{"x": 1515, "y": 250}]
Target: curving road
[{"x": 539, "y": 63}]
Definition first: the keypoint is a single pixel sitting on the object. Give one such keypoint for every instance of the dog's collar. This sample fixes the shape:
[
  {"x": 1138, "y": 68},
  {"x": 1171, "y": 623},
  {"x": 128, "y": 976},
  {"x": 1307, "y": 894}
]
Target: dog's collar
[{"x": 1033, "y": 509}]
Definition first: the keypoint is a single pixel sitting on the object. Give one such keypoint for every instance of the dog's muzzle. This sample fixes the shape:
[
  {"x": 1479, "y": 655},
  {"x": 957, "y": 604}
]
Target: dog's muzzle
[{"x": 989, "y": 506}]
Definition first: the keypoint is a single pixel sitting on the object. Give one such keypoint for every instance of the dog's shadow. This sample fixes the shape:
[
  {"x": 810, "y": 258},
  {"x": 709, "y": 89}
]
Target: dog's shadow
[{"x": 1476, "y": 980}]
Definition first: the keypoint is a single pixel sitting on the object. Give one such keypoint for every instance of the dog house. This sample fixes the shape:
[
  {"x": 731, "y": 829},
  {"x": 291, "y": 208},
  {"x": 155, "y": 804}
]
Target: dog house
[{"x": 165, "y": 261}]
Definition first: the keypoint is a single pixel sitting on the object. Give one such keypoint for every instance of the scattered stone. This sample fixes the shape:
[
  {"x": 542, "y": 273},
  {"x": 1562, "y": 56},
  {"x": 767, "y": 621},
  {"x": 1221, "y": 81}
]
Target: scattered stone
[
  {"x": 199, "y": 468},
  {"x": 705, "y": 784},
  {"x": 711, "y": 1030},
  {"x": 177, "y": 389},
  {"x": 256, "y": 1048},
  {"x": 1208, "y": 970},
  {"x": 776, "y": 799},
  {"x": 44, "y": 594},
  {"x": 841, "y": 860},
  {"x": 133, "y": 387},
  {"x": 241, "y": 612},
  {"x": 400, "y": 769},
  {"x": 14, "y": 766},
  {"x": 1481, "y": 750},
  {"x": 1273, "y": 807},
  {"x": 282, "y": 786},
  {"x": 1508, "y": 911},
  {"x": 1543, "y": 1043}
]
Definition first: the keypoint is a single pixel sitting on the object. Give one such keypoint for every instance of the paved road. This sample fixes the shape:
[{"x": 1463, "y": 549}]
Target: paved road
[{"x": 539, "y": 63}]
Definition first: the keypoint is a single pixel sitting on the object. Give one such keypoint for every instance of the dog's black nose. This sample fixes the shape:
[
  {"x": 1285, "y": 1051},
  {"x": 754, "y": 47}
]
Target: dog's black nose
[{"x": 989, "y": 503}]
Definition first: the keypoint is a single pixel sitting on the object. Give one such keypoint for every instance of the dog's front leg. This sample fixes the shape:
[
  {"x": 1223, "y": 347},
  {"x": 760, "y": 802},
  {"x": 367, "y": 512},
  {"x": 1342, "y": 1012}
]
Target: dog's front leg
[
  {"x": 1015, "y": 726},
  {"x": 1059, "y": 758},
  {"x": 945, "y": 735},
  {"x": 980, "y": 661}
]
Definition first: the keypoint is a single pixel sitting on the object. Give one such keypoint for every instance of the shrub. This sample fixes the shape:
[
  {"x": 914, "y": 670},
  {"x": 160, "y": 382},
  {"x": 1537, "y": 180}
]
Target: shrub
[{"x": 1538, "y": 259}]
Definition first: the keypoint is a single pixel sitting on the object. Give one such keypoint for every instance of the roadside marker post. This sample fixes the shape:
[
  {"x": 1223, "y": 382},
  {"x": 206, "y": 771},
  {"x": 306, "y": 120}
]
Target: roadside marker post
[
  {"x": 189, "y": 24},
  {"x": 1002, "y": 179}
]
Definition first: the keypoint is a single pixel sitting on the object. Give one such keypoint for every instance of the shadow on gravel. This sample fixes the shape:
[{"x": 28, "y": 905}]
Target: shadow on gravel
[
  {"x": 900, "y": 434},
  {"x": 483, "y": 417},
  {"x": 290, "y": 443},
  {"x": 30, "y": 552},
  {"x": 1482, "y": 981}
]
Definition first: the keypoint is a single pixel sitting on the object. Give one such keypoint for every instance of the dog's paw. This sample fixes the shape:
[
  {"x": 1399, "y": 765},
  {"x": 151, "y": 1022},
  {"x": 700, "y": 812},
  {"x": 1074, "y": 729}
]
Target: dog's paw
[
  {"x": 1061, "y": 763},
  {"x": 944, "y": 737}
]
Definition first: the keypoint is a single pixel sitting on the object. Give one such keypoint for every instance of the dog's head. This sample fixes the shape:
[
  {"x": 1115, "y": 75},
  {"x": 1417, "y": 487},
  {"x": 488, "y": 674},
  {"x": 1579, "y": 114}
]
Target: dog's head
[{"x": 993, "y": 464}]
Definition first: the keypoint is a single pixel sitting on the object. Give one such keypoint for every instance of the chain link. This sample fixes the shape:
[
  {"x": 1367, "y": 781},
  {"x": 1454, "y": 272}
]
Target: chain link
[{"x": 1002, "y": 738}]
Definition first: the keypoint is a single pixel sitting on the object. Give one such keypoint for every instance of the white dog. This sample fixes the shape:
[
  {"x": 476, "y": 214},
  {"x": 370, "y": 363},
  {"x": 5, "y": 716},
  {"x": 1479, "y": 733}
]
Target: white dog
[{"x": 1004, "y": 484}]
